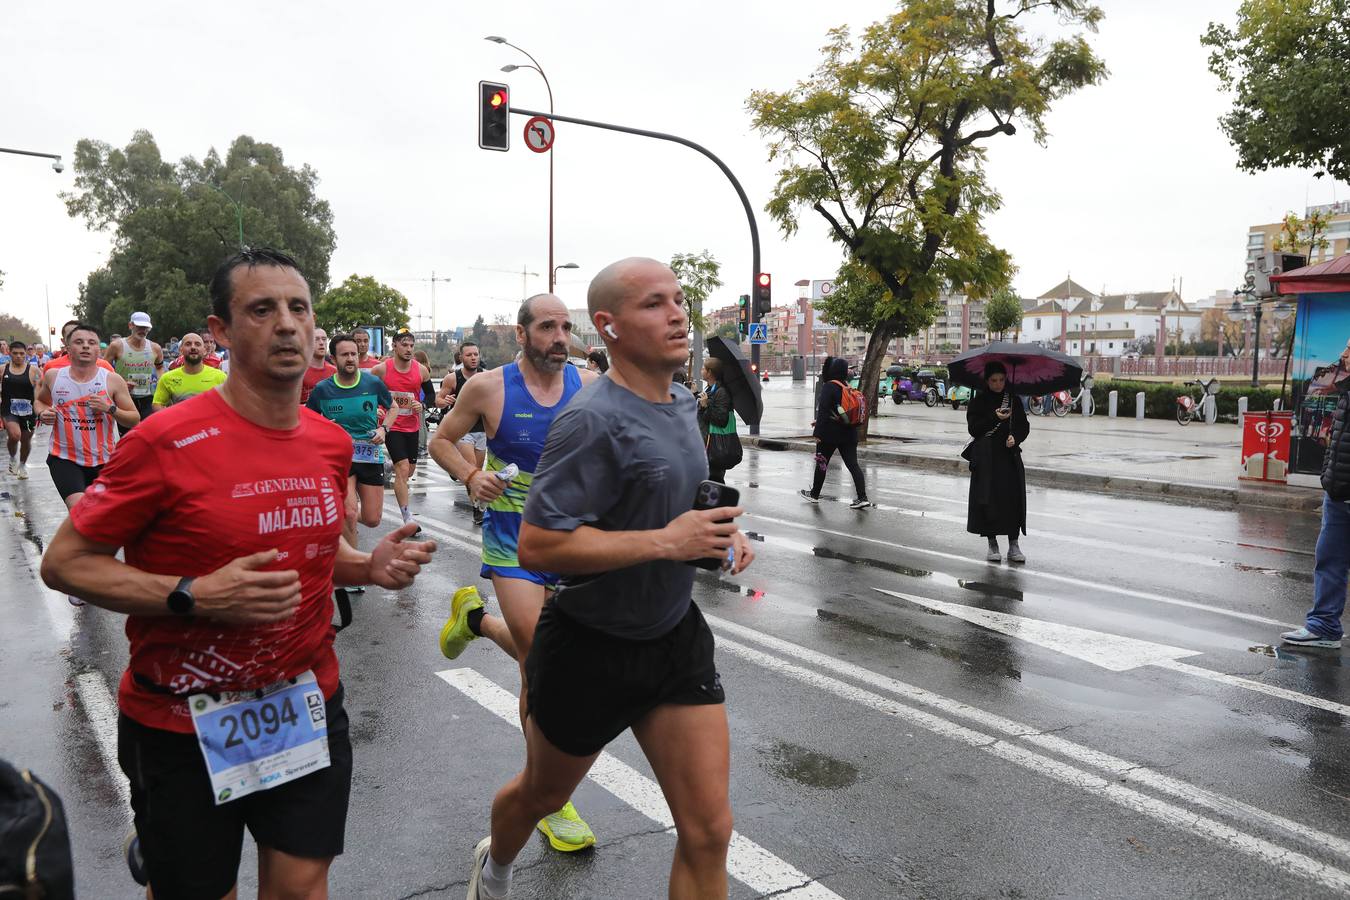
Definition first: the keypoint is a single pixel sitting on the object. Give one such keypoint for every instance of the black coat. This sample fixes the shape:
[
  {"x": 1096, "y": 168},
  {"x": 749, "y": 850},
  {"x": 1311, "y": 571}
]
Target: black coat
[
  {"x": 828, "y": 428},
  {"x": 1336, "y": 462},
  {"x": 718, "y": 410},
  {"x": 998, "y": 483}
]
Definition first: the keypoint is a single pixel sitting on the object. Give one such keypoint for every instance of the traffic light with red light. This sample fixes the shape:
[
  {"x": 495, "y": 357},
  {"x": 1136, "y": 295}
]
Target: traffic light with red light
[
  {"x": 763, "y": 295},
  {"x": 745, "y": 320},
  {"x": 494, "y": 114}
]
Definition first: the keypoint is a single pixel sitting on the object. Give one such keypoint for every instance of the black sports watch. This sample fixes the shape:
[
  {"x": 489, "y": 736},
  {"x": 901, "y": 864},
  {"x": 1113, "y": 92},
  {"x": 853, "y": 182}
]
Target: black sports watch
[{"x": 180, "y": 600}]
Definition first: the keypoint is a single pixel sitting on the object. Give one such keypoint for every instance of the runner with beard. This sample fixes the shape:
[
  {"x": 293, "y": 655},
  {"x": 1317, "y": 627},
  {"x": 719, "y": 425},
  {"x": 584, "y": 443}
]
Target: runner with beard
[
  {"x": 473, "y": 445},
  {"x": 191, "y": 378},
  {"x": 139, "y": 361},
  {"x": 353, "y": 398},
  {"x": 516, "y": 404},
  {"x": 408, "y": 382}
]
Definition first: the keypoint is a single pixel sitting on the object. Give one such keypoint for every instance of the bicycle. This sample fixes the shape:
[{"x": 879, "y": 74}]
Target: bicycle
[
  {"x": 1063, "y": 402},
  {"x": 1190, "y": 408}
]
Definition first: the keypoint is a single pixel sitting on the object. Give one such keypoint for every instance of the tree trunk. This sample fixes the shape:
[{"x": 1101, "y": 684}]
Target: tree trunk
[{"x": 869, "y": 377}]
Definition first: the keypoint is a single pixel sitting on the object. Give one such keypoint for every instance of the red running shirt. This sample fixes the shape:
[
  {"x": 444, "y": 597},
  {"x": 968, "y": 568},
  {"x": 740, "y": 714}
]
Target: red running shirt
[
  {"x": 193, "y": 487},
  {"x": 312, "y": 377},
  {"x": 406, "y": 388}
]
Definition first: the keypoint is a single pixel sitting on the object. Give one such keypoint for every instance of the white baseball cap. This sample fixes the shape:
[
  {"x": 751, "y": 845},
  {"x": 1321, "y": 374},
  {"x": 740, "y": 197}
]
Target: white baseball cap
[{"x": 141, "y": 319}]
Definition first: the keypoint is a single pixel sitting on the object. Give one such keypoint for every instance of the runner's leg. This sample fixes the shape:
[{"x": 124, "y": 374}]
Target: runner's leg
[
  {"x": 282, "y": 876},
  {"x": 349, "y": 522},
  {"x": 372, "y": 504},
  {"x": 689, "y": 751},
  {"x": 25, "y": 445},
  {"x": 402, "y": 469},
  {"x": 12, "y": 433},
  {"x": 547, "y": 781}
]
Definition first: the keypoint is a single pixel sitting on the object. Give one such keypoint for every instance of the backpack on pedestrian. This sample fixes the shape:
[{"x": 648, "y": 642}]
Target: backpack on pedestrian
[
  {"x": 35, "y": 861},
  {"x": 852, "y": 408}
]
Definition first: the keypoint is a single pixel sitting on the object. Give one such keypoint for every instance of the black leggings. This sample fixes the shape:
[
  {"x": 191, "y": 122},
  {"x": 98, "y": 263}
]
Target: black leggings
[{"x": 849, "y": 454}]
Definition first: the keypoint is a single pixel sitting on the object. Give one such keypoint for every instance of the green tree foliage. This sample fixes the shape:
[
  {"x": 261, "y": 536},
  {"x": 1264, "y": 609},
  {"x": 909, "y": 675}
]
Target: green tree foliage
[
  {"x": 699, "y": 275},
  {"x": 174, "y": 222},
  {"x": 1287, "y": 65},
  {"x": 14, "y": 328},
  {"x": 361, "y": 300},
  {"x": 1298, "y": 235},
  {"x": 1002, "y": 312},
  {"x": 885, "y": 141}
]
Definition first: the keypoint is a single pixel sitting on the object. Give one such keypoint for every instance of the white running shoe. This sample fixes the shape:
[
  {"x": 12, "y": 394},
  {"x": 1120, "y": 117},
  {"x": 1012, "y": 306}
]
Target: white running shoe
[
  {"x": 23, "y": 471},
  {"x": 13, "y": 466}
]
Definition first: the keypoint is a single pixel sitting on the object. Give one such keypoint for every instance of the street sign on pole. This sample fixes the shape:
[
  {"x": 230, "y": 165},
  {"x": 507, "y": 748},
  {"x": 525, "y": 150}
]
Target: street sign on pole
[
  {"x": 539, "y": 134},
  {"x": 759, "y": 332}
]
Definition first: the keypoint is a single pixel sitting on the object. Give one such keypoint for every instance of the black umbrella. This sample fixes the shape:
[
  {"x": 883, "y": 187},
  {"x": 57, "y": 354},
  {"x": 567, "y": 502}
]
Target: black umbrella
[
  {"x": 895, "y": 371},
  {"x": 1031, "y": 369},
  {"x": 737, "y": 378}
]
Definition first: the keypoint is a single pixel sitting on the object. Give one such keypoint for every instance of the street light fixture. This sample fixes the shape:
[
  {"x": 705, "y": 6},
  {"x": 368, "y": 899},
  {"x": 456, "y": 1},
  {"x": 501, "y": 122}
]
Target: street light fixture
[
  {"x": 57, "y": 165},
  {"x": 1253, "y": 308},
  {"x": 570, "y": 265},
  {"x": 497, "y": 39}
]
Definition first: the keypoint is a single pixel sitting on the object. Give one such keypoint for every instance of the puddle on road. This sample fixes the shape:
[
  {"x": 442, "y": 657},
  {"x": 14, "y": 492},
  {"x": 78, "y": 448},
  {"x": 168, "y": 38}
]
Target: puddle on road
[
  {"x": 987, "y": 659},
  {"x": 1310, "y": 656},
  {"x": 797, "y": 763},
  {"x": 980, "y": 587}
]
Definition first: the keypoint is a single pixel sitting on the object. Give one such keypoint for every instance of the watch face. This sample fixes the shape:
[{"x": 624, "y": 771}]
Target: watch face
[{"x": 180, "y": 602}]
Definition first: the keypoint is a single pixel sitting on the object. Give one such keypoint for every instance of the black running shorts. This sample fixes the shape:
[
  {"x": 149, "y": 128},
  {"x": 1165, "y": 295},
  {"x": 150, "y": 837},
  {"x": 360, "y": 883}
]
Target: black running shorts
[
  {"x": 191, "y": 846},
  {"x": 25, "y": 423},
  {"x": 587, "y": 687},
  {"x": 368, "y": 473},
  {"x": 71, "y": 478},
  {"x": 402, "y": 445}
]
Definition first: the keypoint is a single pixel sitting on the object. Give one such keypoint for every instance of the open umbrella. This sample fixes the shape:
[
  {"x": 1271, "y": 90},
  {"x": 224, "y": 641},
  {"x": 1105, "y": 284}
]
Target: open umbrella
[
  {"x": 1031, "y": 369},
  {"x": 737, "y": 378}
]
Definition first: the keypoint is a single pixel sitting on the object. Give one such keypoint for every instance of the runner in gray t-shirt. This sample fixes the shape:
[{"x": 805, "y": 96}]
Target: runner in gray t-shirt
[{"x": 622, "y": 645}]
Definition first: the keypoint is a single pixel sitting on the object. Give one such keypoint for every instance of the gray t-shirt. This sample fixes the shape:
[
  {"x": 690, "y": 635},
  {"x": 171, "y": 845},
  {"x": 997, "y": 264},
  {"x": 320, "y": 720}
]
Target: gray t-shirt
[{"x": 620, "y": 463}]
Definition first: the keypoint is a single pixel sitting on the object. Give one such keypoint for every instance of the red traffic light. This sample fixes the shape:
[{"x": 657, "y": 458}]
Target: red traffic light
[
  {"x": 498, "y": 99},
  {"x": 765, "y": 279}
]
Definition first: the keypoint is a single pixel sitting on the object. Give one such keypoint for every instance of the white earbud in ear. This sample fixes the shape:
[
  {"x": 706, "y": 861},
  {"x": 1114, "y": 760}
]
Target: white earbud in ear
[{"x": 609, "y": 330}]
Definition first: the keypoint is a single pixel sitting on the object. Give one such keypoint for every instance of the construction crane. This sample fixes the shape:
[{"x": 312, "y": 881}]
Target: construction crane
[
  {"x": 433, "y": 279},
  {"x": 524, "y": 274}
]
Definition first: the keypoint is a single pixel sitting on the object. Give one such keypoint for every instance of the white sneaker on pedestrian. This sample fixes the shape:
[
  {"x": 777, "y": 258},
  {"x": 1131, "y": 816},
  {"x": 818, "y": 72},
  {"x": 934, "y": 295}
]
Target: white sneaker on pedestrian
[
  {"x": 477, "y": 889},
  {"x": 23, "y": 471},
  {"x": 1302, "y": 637},
  {"x": 1015, "y": 554},
  {"x": 861, "y": 504},
  {"x": 806, "y": 495}
]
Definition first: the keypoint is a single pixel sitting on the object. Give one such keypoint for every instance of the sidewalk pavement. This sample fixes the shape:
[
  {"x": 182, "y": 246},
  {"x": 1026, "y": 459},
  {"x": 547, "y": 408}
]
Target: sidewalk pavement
[{"x": 1153, "y": 457}]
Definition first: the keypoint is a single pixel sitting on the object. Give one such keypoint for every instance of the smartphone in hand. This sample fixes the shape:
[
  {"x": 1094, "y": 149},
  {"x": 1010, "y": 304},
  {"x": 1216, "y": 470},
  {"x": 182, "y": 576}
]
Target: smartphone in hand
[{"x": 711, "y": 495}]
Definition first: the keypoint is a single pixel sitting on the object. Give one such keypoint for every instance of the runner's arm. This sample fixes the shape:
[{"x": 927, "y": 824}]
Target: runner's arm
[
  {"x": 112, "y": 351},
  {"x": 124, "y": 411},
  {"x": 161, "y": 398},
  {"x": 159, "y": 359},
  {"x": 392, "y": 564},
  {"x": 42, "y": 398},
  {"x": 469, "y": 405},
  {"x": 586, "y": 550},
  {"x": 445, "y": 393}
]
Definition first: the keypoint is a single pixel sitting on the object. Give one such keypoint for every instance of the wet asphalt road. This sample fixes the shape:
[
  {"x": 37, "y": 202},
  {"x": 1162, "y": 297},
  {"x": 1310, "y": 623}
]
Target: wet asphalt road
[{"x": 880, "y": 748}]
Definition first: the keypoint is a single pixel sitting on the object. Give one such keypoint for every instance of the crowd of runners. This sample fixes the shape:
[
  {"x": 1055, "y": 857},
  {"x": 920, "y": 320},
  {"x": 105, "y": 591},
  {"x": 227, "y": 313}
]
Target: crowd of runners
[{"x": 233, "y": 486}]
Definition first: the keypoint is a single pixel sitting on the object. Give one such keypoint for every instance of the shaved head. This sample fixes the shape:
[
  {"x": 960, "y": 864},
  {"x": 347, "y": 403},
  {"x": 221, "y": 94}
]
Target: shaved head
[
  {"x": 533, "y": 306},
  {"x": 616, "y": 281}
]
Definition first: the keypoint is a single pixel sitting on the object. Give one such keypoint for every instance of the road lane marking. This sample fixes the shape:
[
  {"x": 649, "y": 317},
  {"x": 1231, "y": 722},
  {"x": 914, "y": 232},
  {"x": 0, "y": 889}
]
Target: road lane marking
[
  {"x": 1178, "y": 817},
  {"x": 101, "y": 710},
  {"x": 1035, "y": 573},
  {"x": 1121, "y": 769},
  {"x": 747, "y": 862},
  {"x": 1109, "y": 651}
]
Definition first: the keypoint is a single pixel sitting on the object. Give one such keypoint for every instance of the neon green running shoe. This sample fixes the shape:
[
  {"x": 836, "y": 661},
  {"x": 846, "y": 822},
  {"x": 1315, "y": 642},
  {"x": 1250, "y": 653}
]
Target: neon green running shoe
[
  {"x": 566, "y": 831},
  {"x": 455, "y": 636}
]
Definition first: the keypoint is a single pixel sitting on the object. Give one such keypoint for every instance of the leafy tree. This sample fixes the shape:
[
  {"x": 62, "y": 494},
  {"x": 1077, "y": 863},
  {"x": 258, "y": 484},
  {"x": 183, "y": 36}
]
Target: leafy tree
[
  {"x": 1303, "y": 234},
  {"x": 174, "y": 222},
  {"x": 699, "y": 275},
  {"x": 12, "y": 328},
  {"x": 479, "y": 331},
  {"x": 886, "y": 142},
  {"x": 1287, "y": 65},
  {"x": 1003, "y": 312},
  {"x": 361, "y": 300},
  {"x": 730, "y": 331}
]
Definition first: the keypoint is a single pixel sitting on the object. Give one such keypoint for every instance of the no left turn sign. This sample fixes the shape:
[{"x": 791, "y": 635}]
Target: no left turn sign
[{"x": 539, "y": 134}]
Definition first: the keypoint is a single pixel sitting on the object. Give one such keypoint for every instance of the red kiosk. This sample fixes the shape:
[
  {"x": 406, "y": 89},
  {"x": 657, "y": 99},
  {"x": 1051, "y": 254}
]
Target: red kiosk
[{"x": 1321, "y": 330}]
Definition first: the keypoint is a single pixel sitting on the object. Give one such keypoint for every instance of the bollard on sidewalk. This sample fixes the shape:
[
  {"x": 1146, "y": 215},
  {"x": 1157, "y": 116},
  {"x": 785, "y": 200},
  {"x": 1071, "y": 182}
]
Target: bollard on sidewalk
[
  {"x": 1242, "y": 412},
  {"x": 1139, "y": 406},
  {"x": 1112, "y": 404}
]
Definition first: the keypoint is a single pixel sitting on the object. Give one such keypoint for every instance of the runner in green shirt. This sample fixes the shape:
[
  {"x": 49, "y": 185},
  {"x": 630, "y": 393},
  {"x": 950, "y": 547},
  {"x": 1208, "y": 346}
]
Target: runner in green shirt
[
  {"x": 193, "y": 377},
  {"x": 353, "y": 398}
]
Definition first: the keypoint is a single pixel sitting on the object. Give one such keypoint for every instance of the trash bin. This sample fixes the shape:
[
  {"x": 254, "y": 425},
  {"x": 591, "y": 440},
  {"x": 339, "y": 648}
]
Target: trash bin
[{"x": 798, "y": 368}]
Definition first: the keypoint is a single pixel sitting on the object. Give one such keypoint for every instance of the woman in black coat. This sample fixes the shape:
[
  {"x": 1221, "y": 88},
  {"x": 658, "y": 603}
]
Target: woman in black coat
[
  {"x": 832, "y": 434},
  {"x": 714, "y": 409},
  {"x": 998, "y": 486}
]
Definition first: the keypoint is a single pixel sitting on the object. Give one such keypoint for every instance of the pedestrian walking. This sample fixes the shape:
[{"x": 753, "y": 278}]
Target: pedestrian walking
[
  {"x": 717, "y": 423},
  {"x": 597, "y": 362},
  {"x": 998, "y": 488},
  {"x": 833, "y": 433},
  {"x": 1322, "y": 626}
]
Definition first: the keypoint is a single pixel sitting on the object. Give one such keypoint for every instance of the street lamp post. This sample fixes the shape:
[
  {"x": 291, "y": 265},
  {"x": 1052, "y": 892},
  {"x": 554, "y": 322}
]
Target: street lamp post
[
  {"x": 540, "y": 69},
  {"x": 554, "y": 279},
  {"x": 57, "y": 165},
  {"x": 1242, "y": 310}
]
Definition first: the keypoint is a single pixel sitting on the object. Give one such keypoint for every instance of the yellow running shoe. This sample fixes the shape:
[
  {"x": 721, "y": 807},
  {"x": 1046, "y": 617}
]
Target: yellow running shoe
[
  {"x": 566, "y": 831},
  {"x": 455, "y": 636}
]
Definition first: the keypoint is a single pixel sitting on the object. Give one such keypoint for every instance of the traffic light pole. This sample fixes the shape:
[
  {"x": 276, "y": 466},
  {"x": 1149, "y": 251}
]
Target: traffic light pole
[{"x": 740, "y": 192}]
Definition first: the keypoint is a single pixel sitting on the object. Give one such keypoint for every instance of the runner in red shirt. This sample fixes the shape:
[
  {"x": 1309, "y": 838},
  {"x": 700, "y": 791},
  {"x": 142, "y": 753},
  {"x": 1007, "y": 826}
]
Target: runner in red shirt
[
  {"x": 409, "y": 381},
  {"x": 227, "y": 586},
  {"x": 364, "y": 359},
  {"x": 319, "y": 366}
]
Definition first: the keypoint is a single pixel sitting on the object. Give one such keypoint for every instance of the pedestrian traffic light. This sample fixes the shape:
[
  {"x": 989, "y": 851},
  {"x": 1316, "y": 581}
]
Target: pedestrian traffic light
[
  {"x": 494, "y": 113},
  {"x": 763, "y": 295},
  {"x": 744, "y": 303}
]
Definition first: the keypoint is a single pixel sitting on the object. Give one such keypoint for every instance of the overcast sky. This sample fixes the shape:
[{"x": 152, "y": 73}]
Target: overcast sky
[{"x": 1137, "y": 186}]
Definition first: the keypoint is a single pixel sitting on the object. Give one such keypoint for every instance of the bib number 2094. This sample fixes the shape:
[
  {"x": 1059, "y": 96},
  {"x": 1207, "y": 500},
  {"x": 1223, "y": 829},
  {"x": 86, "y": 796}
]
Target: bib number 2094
[{"x": 256, "y": 740}]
